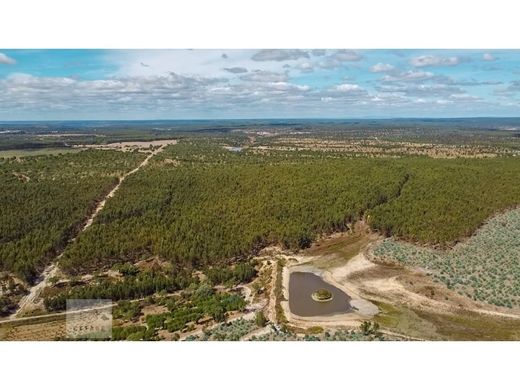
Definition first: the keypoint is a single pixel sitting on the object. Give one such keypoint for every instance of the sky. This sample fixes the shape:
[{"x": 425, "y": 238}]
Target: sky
[{"x": 231, "y": 83}]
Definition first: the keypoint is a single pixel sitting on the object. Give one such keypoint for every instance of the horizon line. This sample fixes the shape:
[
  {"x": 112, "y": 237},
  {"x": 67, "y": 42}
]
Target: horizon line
[{"x": 259, "y": 119}]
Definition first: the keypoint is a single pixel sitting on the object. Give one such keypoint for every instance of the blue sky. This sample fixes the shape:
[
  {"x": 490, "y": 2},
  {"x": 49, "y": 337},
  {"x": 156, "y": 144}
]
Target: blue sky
[{"x": 205, "y": 84}]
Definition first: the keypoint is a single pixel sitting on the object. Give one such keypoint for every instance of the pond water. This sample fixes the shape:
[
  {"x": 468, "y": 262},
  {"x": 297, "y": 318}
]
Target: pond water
[{"x": 301, "y": 287}]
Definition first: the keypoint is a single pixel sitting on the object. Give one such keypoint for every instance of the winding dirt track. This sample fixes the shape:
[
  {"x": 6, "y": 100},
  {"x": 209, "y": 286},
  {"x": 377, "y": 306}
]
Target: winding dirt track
[{"x": 30, "y": 300}]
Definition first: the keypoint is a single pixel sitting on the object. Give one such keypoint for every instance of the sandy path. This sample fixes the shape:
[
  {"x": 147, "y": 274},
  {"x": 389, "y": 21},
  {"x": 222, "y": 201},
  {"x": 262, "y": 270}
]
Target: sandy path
[
  {"x": 101, "y": 204},
  {"x": 30, "y": 301},
  {"x": 271, "y": 306},
  {"x": 22, "y": 177},
  {"x": 57, "y": 314}
]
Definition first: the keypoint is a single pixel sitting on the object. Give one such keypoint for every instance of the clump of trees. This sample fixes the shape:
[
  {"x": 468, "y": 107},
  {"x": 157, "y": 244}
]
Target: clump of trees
[
  {"x": 127, "y": 310},
  {"x": 260, "y": 319},
  {"x": 133, "y": 333},
  {"x": 196, "y": 304},
  {"x": 240, "y": 273},
  {"x": 6, "y": 306},
  {"x": 369, "y": 328},
  {"x": 132, "y": 287},
  {"x": 446, "y": 200}
]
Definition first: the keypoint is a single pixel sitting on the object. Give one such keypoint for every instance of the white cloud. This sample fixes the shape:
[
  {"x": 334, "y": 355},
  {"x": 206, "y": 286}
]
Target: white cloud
[
  {"x": 206, "y": 63},
  {"x": 425, "y": 90},
  {"x": 464, "y": 97},
  {"x": 327, "y": 99},
  {"x": 431, "y": 60},
  {"x": 264, "y": 76},
  {"x": 279, "y": 55},
  {"x": 318, "y": 52},
  {"x": 181, "y": 83},
  {"x": 236, "y": 69},
  {"x": 348, "y": 87},
  {"x": 381, "y": 68},
  {"x": 305, "y": 67},
  {"x": 6, "y": 60},
  {"x": 347, "y": 55},
  {"x": 411, "y": 75},
  {"x": 488, "y": 57},
  {"x": 338, "y": 59},
  {"x": 173, "y": 93},
  {"x": 284, "y": 86}
]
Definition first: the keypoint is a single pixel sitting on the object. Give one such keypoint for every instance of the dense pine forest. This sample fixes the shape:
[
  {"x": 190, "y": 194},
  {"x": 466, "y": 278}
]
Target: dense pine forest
[
  {"x": 199, "y": 204},
  {"x": 447, "y": 200},
  {"x": 44, "y": 200}
]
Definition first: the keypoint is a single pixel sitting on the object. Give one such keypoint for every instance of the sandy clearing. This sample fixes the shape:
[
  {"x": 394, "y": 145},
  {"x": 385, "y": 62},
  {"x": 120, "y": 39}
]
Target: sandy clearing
[
  {"x": 358, "y": 263},
  {"x": 129, "y": 145},
  {"x": 153, "y": 310},
  {"x": 22, "y": 177},
  {"x": 271, "y": 306}
]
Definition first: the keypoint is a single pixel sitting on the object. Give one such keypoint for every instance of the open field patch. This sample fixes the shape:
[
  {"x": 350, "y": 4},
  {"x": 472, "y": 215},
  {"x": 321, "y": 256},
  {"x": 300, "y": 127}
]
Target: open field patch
[{"x": 37, "y": 152}]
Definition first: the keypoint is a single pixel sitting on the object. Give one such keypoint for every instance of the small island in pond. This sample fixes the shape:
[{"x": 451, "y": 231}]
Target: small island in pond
[{"x": 322, "y": 295}]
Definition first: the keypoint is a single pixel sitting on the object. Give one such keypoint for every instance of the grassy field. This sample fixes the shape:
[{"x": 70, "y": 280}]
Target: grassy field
[
  {"x": 462, "y": 325},
  {"x": 36, "y": 152},
  {"x": 46, "y": 328},
  {"x": 334, "y": 252}
]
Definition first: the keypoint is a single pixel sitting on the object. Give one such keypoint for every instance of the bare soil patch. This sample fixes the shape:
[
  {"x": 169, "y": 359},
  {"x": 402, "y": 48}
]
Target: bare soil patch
[
  {"x": 131, "y": 145},
  {"x": 408, "y": 301}
]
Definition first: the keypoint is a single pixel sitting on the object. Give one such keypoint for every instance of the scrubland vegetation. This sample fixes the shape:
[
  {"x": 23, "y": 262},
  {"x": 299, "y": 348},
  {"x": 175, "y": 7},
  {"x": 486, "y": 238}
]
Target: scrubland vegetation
[
  {"x": 228, "y": 331},
  {"x": 486, "y": 267},
  {"x": 191, "y": 308},
  {"x": 198, "y": 303},
  {"x": 131, "y": 287},
  {"x": 239, "y": 329},
  {"x": 336, "y": 335}
]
